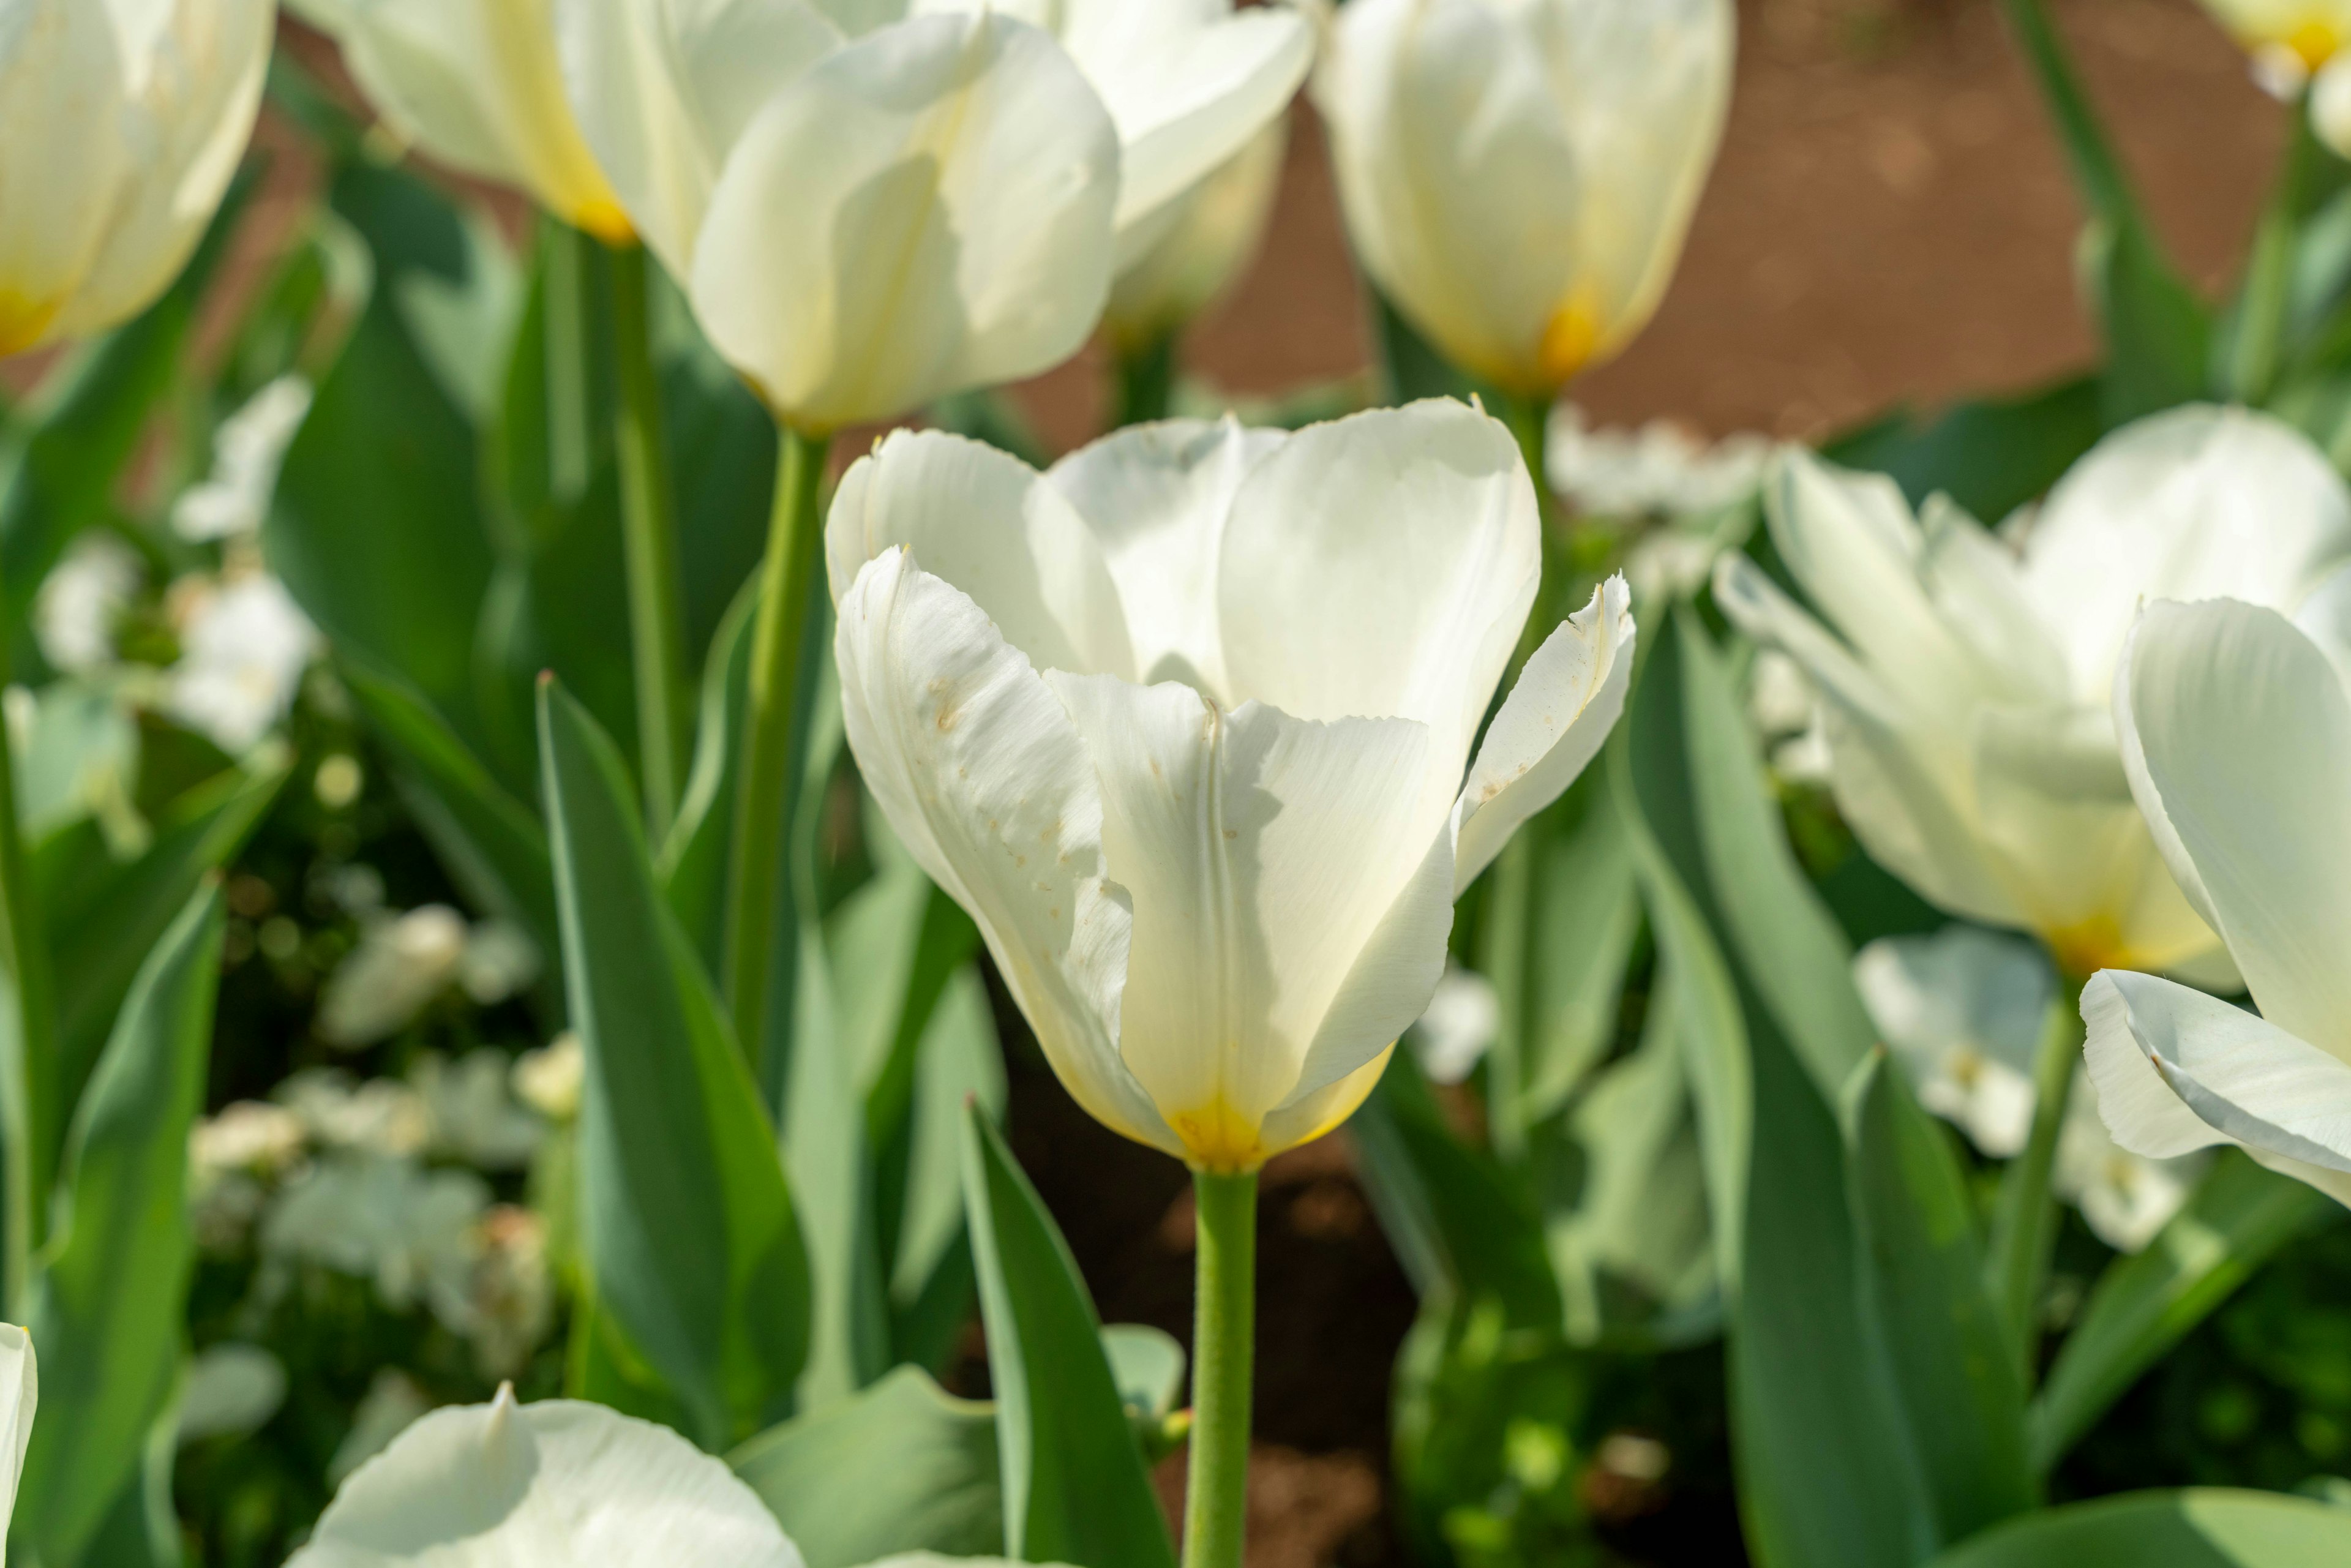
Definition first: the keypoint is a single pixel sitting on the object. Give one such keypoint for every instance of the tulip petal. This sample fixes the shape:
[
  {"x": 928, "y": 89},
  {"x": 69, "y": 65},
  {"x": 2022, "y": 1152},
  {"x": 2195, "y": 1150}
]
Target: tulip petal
[
  {"x": 1264, "y": 856},
  {"x": 663, "y": 91},
  {"x": 1156, "y": 498},
  {"x": 990, "y": 788},
  {"x": 1384, "y": 565},
  {"x": 20, "y": 1389},
  {"x": 57, "y": 67},
  {"x": 2229, "y": 1072},
  {"x": 549, "y": 1485},
  {"x": 2238, "y": 742},
  {"x": 2198, "y": 502},
  {"x": 928, "y": 209},
  {"x": 991, "y": 524},
  {"x": 1566, "y": 702},
  {"x": 2326, "y": 616},
  {"x": 198, "y": 76}
]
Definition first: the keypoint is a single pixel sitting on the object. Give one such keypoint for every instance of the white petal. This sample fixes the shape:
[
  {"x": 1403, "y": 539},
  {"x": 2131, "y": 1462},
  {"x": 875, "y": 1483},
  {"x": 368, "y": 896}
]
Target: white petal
[
  {"x": 1567, "y": 700},
  {"x": 1264, "y": 856},
  {"x": 987, "y": 783},
  {"x": 992, "y": 526},
  {"x": 20, "y": 1389},
  {"x": 927, "y": 209},
  {"x": 2198, "y": 502},
  {"x": 1382, "y": 566},
  {"x": 58, "y": 66},
  {"x": 1156, "y": 498},
  {"x": 480, "y": 87},
  {"x": 551, "y": 1485},
  {"x": 2326, "y": 616},
  {"x": 194, "y": 87},
  {"x": 2234, "y": 1073},
  {"x": 2239, "y": 746},
  {"x": 662, "y": 90}
]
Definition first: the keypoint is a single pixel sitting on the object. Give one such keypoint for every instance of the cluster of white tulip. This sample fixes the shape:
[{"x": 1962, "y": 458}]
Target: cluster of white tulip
[{"x": 2298, "y": 49}]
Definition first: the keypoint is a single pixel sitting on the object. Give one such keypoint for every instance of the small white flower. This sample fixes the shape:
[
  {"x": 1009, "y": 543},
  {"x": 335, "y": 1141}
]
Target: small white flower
[
  {"x": 2125, "y": 1198},
  {"x": 381, "y": 1116},
  {"x": 410, "y": 1230},
  {"x": 548, "y": 1080},
  {"x": 247, "y": 451},
  {"x": 505, "y": 1303},
  {"x": 1962, "y": 1011},
  {"x": 250, "y": 1135},
  {"x": 244, "y": 644},
  {"x": 1453, "y": 1035},
  {"x": 473, "y": 1117},
  {"x": 500, "y": 959},
  {"x": 399, "y": 966},
  {"x": 1659, "y": 470},
  {"x": 80, "y": 600}
]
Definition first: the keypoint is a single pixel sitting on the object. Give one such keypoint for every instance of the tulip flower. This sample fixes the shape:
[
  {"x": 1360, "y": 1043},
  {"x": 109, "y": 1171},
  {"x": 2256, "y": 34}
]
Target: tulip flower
[
  {"x": 119, "y": 130},
  {"x": 1963, "y": 684},
  {"x": 476, "y": 84},
  {"x": 1517, "y": 176},
  {"x": 2236, "y": 736},
  {"x": 2287, "y": 36},
  {"x": 1183, "y": 724},
  {"x": 19, "y": 1393}
]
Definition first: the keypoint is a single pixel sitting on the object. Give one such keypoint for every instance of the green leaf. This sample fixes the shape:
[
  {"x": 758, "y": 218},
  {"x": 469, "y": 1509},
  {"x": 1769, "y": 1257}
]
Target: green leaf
[
  {"x": 958, "y": 1061},
  {"x": 1074, "y": 1486},
  {"x": 67, "y": 450},
  {"x": 2238, "y": 1217},
  {"x": 695, "y": 863},
  {"x": 2204, "y": 1528},
  {"x": 1991, "y": 456},
  {"x": 378, "y": 530},
  {"x": 108, "y": 1309},
  {"x": 1924, "y": 1281},
  {"x": 1410, "y": 368},
  {"x": 2158, "y": 332},
  {"x": 900, "y": 1468},
  {"x": 685, "y": 1214},
  {"x": 104, "y": 916},
  {"x": 492, "y": 843},
  {"x": 1461, "y": 1222}
]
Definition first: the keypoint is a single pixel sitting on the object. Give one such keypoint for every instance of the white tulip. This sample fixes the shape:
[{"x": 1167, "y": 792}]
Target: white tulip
[
  {"x": 121, "y": 125},
  {"x": 863, "y": 226},
  {"x": 2288, "y": 38},
  {"x": 552, "y": 1485},
  {"x": 477, "y": 84},
  {"x": 20, "y": 1387},
  {"x": 1518, "y": 176},
  {"x": 1210, "y": 239},
  {"x": 1183, "y": 724},
  {"x": 2236, "y": 732},
  {"x": 1964, "y": 688}
]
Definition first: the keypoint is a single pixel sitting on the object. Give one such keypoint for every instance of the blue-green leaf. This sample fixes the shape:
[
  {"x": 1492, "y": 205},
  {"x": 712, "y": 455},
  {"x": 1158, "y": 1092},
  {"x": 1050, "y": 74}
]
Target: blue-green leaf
[{"x": 2202, "y": 1528}]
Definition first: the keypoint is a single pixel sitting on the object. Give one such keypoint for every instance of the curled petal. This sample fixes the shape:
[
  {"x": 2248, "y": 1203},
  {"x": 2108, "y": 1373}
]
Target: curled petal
[
  {"x": 1551, "y": 725},
  {"x": 990, "y": 786}
]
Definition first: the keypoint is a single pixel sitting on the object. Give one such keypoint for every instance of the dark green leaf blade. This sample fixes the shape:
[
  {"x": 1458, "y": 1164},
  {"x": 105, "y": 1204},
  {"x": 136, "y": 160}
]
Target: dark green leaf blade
[
  {"x": 1074, "y": 1486},
  {"x": 107, "y": 1311},
  {"x": 2203, "y": 1528}
]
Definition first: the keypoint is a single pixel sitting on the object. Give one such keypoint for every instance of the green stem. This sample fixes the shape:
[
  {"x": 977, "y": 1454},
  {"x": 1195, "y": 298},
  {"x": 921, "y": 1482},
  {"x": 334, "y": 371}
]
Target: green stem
[
  {"x": 1502, "y": 958},
  {"x": 1224, "y": 1334},
  {"x": 786, "y": 582},
  {"x": 1530, "y": 422},
  {"x": 2257, "y": 344},
  {"x": 2095, "y": 165},
  {"x": 29, "y": 1113},
  {"x": 1146, "y": 382},
  {"x": 570, "y": 317},
  {"x": 2025, "y": 1222},
  {"x": 649, "y": 526}
]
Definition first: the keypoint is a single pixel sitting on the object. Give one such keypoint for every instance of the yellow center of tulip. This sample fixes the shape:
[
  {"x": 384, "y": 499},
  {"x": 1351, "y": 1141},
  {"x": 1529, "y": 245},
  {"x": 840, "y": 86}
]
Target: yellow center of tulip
[
  {"x": 22, "y": 321},
  {"x": 606, "y": 221},
  {"x": 2084, "y": 948},
  {"x": 1570, "y": 339},
  {"x": 1218, "y": 1138},
  {"x": 2314, "y": 41}
]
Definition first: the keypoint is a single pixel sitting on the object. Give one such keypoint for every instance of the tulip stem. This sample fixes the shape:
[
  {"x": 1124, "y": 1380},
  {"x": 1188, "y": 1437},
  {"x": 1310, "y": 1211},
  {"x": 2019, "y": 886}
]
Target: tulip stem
[
  {"x": 1146, "y": 382},
  {"x": 2095, "y": 166},
  {"x": 1215, "y": 1493},
  {"x": 1530, "y": 422},
  {"x": 28, "y": 1113},
  {"x": 649, "y": 526},
  {"x": 2025, "y": 1222},
  {"x": 2258, "y": 336},
  {"x": 771, "y": 733}
]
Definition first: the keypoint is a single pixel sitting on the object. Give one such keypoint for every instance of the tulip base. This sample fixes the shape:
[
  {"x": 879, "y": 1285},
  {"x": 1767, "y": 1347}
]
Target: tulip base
[
  {"x": 1216, "y": 1496},
  {"x": 648, "y": 530},
  {"x": 1146, "y": 382}
]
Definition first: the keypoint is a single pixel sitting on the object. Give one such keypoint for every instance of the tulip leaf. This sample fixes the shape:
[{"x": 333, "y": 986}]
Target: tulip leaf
[
  {"x": 1461, "y": 1222},
  {"x": 1410, "y": 369},
  {"x": 685, "y": 1215},
  {"x": 1991, "y": 456},
  {"x": 695, "y": 863},
  {"x": 2158, "y": 332},
  {"x": 378, "y": 530},
  {"x": 957, "y": 1060},
  {"x": 69, "y": 444},
  {"x": 105, "y": 916},
  {"x": 1923, "y": 1278},
  {"x": 1826, "y": 1472},
  {"x": 2202, "y": 1528},
  {"x": 107, "y": 1307},
  {"x": 901, "y": 1467},
  {"x": 2144, "y": 1303},
  {"x": 493, "y": 845},
  {"x": 1074, "y": 1486}
]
